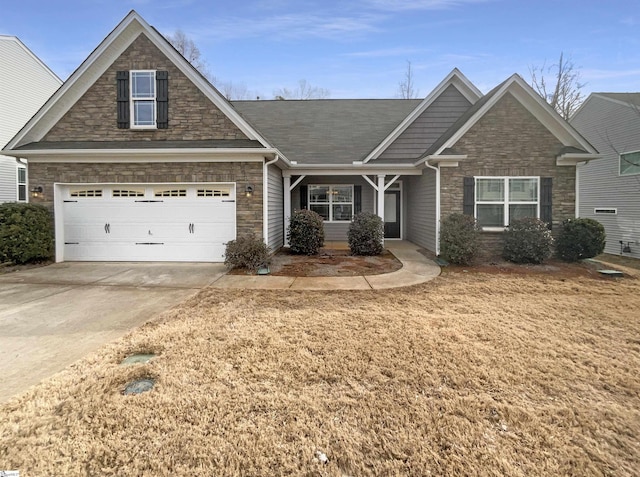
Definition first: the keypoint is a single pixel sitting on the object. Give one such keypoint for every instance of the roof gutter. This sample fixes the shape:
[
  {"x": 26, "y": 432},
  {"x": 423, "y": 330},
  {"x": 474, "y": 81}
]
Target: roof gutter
[{"x": 574, "y": 158}]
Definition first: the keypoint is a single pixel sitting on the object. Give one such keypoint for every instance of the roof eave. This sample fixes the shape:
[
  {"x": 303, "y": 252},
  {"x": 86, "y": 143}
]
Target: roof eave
[{"x": 574, "y": 158}]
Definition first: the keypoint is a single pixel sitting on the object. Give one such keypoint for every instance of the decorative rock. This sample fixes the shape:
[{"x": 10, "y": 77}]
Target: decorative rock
[{"x": 322, "y": 457}]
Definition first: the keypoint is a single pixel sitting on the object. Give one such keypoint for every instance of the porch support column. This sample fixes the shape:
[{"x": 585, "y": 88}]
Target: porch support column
[
  {"x": 287, "y": 206},
  {"x": 381, "y": 196}
]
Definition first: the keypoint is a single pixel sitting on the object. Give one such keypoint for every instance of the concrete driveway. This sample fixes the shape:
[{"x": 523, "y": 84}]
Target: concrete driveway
[{"x": 52, "y": 316}]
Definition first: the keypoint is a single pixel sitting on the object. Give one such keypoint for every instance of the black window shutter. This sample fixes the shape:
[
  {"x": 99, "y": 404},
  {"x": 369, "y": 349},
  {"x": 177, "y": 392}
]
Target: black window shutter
[
  {"x": 546, "y": 200},
  {"x": 303, "y": 197},
  {"x": 468, "y": 197},
  {"x": 122, "y": 80},
  {"x": 162, "y": 99},
  {"x": 357, "y": 199}
]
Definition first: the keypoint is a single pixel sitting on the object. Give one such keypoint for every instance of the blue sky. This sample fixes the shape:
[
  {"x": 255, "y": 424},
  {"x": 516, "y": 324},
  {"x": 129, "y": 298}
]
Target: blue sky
[{"x": 359, "y": 48}]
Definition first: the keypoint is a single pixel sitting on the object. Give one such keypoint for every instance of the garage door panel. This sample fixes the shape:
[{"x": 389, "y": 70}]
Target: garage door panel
[{"x": 109, "y": 228}]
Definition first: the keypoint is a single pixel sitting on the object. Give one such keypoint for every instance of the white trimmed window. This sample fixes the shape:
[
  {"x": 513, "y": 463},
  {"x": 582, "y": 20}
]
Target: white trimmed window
[
  {"x": 502, "y": 199},
  {"x": 22, "y": 184},
  {"x": 333, "y": 202},
  {"x": 143, "y": 99},
  {"x": 630, "y": 163}
]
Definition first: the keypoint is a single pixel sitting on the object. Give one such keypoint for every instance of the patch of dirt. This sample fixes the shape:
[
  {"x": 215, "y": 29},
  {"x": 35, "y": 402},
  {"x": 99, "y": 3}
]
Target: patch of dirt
[
  {"x": 12, "y": 267},
  {"x": 619, "y": 260},
  {"x": 329, "y": 263},
  {"x": 555, "y": 268}
]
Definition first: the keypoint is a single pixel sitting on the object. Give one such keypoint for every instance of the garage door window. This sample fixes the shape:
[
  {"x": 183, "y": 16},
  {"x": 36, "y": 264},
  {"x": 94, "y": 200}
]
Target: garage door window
[
  {"x": 128, "y": 193},
  {"x": 86, "y": 193},
  {"x": 217, "y": 192},
  {"x": 171, "y": 193}
]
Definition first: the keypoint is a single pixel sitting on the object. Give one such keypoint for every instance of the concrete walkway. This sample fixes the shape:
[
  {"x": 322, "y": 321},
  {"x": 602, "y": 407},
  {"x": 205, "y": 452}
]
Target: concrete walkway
[{"x": 416, "y": 269}]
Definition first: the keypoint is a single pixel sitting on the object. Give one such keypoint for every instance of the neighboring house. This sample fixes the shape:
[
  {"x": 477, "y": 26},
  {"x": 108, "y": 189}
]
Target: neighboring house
[
  {"x": 142, "y": 159},
  {"x": 610, "y": 187},
  {"x": 26, "y": 84}
]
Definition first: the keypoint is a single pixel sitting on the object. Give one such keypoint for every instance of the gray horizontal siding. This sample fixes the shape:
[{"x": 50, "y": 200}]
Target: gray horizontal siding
[
  {"x": 612, "y": 128},
  {"x": 8, "y": 179},
  {"x": 275, "y": 206},
  {"x": 337, "y": 231},
  {"x": 428, "y": 127},
  {"x": 421, "y": 213}
]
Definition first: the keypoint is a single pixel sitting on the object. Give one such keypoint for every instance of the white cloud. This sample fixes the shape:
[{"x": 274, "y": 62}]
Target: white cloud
[
  {"x": 406, "y": 5},
  {"x": 296, "y": 25},
  {"x": 597, "y": 74},
  {"x": 384, "y": 52}
]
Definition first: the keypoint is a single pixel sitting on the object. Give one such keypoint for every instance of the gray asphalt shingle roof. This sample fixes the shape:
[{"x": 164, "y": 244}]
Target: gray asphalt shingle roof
[
  {"x": 632, "y": 98},
  {"x": 326, "y": 131}
]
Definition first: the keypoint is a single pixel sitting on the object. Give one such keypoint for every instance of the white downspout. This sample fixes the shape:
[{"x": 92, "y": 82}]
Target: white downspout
[
  {"x": 437, "y": 169},
  {"x": 265, "y": 200}
]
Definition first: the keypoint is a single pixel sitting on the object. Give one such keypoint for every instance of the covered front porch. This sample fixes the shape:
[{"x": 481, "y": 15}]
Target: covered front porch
[{"x": 404, "y": 199}]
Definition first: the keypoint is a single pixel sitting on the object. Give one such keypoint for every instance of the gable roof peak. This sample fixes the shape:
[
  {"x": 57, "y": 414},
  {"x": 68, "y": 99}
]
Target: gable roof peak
[
  {"x": 92, "y": 68},
  {"x": 456, "y": 79}
]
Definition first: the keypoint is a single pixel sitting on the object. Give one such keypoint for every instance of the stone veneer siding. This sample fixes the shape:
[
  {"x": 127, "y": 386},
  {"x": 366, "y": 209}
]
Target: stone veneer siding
[
  {"x": 509, "y": 141},
  {"x": 248, "y": 209},
  {"x": 192, "y": 116}
]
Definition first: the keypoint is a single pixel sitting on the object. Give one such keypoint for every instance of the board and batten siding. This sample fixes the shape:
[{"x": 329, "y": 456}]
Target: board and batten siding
[
  {"x": 429, "y": 126},
  {"x": 26, "y": 85},
  {"x": 337, "y": 231},
  {"x": 421, "y": 215},
  {"x": 275, "y": 207},
  {"x": 612, "y": 128}
]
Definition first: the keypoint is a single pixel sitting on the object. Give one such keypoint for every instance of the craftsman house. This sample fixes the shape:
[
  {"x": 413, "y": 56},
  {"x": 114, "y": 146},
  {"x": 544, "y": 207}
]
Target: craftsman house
[{"x": 142, "y": 159}]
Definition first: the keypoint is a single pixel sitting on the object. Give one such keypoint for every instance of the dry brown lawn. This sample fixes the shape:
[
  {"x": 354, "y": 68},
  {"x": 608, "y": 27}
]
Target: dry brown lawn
[{"x": 478, "y": 374}]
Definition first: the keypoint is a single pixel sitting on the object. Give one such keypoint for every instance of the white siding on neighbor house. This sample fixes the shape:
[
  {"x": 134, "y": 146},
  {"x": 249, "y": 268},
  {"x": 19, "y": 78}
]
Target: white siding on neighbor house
[
  {"x": 612, "y": 128},
  {"x": 337, "y": 231},
  {"x": 421, "y": 215},
  {"x": 429, "y": 126},
  {"x": 275, "y": 207},
  {"x": 26, "y": 85}
]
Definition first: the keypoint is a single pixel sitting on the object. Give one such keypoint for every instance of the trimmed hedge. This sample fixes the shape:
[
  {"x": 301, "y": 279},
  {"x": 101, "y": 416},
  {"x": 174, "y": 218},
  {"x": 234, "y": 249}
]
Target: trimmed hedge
[
  {"x": 305, "y": 232},
  {"x": 527, "y": 240},
  {"x": 459, "y": 239},
  {"x": 247, "y": 252},
  {"x": 366, "y": 234},
  {"x": 580, "y": 238},
  {"x": 26, "y": 233}
]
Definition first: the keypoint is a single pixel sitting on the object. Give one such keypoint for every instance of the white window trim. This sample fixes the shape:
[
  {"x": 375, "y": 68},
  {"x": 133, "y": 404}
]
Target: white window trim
[
  {"x": 25, "y": 184},
  {"x": 620, "y": 174},
  {"x": 132, "y": 101},
  {"x": 330, "y": 203},
  {"x": 505, "y": 202}
]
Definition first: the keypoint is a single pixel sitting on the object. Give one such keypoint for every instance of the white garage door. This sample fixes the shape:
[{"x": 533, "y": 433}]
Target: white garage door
[{"x": 142, "y": 222}]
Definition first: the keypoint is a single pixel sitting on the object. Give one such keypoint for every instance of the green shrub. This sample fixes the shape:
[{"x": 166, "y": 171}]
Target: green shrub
[
  {"x": 580, "y": 238},
  {"x": 527, "y": 240},
  {"x": 26, "y": 233},
  {"x": 247, "y": 252},
  {"x": 366, "y": 234},
  {"x": 305, "y": 232},
  {"x": 459, "y": 239}
]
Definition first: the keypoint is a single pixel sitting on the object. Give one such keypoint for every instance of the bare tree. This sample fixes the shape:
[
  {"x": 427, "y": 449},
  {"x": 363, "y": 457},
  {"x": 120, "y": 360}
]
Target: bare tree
[
  {"x": 559, "y": 85},
  {"x": 235, "y": 91},
  {"x": 304, "y": 90},
  {"x": 406, "y": 87},
  {"x": 187, "y": 48}
]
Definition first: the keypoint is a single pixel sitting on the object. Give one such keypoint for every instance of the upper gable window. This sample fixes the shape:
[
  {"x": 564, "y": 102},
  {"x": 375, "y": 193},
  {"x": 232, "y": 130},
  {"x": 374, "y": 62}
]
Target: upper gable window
[
  {"x": 143, "y": 99},
  {"x": 630, "y": 163}
]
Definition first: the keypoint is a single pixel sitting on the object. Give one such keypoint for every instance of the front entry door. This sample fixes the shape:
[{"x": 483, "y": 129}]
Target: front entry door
[{"x": 392, "y": 214}]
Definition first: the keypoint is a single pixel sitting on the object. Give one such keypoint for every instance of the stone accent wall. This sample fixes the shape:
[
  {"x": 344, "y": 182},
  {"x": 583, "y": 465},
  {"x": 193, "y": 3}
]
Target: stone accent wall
[
  {"x": 248, "y": 209},
  {"x": 192, "y": 116},
  {"x": 509, "y": 141}
]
